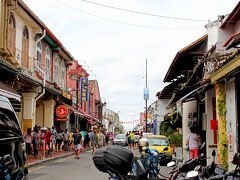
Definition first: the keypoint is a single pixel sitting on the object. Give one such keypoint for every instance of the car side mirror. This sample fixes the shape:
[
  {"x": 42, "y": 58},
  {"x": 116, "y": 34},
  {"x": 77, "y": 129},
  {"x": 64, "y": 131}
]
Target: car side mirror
[{"x": 165, "y": 149}]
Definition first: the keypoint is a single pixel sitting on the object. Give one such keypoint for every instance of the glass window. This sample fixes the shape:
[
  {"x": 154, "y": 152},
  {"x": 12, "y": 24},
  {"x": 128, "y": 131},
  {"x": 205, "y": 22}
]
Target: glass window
[
  {"x": 39, "y": 53},
  {"x": 12, "y": 20},
  {"x": 63, "y": 74},
  {"x": 9, "y": 126},
  {"x": 56, "y": 68},
  {"x": 157, "y": 141},
  {"x": 48, "y": 63},
  {"x": 25, "y": 32}
]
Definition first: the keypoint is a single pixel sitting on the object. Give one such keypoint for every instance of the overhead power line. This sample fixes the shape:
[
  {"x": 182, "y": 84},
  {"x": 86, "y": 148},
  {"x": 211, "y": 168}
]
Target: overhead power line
[
  {"x": 125, "y": 23},
  {"x": 143, "y": 13}
]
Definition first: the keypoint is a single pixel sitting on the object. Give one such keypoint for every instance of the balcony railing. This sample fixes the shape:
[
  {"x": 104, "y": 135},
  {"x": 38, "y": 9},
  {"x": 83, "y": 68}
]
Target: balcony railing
[{"x": 40, "y": 68}]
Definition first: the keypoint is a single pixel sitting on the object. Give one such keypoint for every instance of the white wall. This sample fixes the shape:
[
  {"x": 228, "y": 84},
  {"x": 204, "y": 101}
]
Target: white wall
[
  {"x": 188, "y": 107},
  {"x": 20, "y": 23},
  {"x": 209, "y": 133},
  {"x": 161, "y": 111},
  {"x": 231, "y": 105}
]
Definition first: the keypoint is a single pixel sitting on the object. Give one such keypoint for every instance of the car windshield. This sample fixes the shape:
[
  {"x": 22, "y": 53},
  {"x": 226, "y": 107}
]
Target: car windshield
[
  {"x": 157, "y": 141},
  {"x": 147, "y": 134},
  {"x": 120, "y": 136},
  {"x": 9, "y": 126}
]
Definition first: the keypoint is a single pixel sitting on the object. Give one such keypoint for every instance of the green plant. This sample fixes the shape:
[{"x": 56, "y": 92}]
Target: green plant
[{"x": 176, "y": 139}]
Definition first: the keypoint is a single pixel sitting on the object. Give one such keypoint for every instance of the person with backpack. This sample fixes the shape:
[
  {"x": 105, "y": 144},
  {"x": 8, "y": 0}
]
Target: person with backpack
[{"x": 78, "y": 142}]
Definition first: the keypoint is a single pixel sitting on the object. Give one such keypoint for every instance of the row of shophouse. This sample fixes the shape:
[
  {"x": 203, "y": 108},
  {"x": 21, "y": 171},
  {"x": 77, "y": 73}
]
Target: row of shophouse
[
  {"x": 44, "y": 82},
  {"x": 204, "y": 89}
]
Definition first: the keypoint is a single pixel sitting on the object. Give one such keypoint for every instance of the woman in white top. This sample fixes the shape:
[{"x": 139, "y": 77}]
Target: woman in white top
[{"x": 193, "y": 141}]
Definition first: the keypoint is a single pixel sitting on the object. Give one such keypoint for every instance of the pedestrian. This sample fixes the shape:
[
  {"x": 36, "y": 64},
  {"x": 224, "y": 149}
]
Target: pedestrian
[
  {"x": 70, "y": 140},
  {"x": 43, "y": 137},
  {"x": 28, "y": 140},
  {"x": 94, "y": 140},
  {"x": 78, "y": 142},
  {"x": 66, "y": 140},
  {"x": 49, "y": 142},
  {"x": 54, "y": 132},
  {"x": 90, "y": 134},
  {"x": 35, "y": 142},
  {"x": 132, "y": 140},
  {"x": 106, "y": 138},
  {"x": 59, "y": 140},
  {"x": 101, "y": 140},
  {"x": 86, "y": 140},
  {"x": 129, "y": 140},
  {"x": 136, "y": 139},
  {"x": 193, "y": 141}
]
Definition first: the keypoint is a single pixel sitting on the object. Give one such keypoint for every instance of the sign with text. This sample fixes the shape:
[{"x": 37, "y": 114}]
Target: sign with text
[
  {"x": 62, "y": 111},
  {"x": 146, "y": 93},
  {"x": 84, "y": 90}
]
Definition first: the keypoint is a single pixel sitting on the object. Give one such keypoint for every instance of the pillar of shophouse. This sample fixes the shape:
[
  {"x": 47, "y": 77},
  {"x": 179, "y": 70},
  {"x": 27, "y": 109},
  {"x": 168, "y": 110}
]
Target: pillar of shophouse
[
  {"x": 28, "y": 111},
  {"x": 189, "y": 107},
  {"x": 222, "y": 131},
  {"x": 48, "y": 113}
]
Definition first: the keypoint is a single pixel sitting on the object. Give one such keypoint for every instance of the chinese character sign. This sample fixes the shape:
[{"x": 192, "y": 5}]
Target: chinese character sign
[{"x": 84, "y": 89}]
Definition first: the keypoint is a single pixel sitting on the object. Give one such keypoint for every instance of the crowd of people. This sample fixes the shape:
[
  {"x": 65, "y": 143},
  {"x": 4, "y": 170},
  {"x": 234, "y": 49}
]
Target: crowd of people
[
  {"x": 133, "y": 139},
  {"x": 46, "y": 141}
]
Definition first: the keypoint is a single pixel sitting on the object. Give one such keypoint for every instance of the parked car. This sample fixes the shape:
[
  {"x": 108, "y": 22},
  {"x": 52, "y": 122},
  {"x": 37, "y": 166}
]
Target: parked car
[
  {"x": 146, "y": 134},
  {"x": 13, "y": 163},
  {"x": 120, "y": 139},
  {"x": 160, "y": 143}
]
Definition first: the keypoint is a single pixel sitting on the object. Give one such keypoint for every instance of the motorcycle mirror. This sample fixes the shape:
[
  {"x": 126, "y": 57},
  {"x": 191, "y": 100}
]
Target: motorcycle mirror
[
  {"x": 214, "y": 153},
  {"x": 192, "y": 174},
  {"x": 171, "y": 164},
  {"x": 165, "y": 149}
]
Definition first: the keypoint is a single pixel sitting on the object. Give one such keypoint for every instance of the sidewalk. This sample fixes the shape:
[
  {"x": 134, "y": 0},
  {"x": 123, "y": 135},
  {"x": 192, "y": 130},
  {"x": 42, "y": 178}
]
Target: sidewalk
[{"x": 32, "y": 161}]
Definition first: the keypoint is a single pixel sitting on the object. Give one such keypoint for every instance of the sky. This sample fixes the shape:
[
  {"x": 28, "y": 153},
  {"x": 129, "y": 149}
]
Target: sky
[{"x": 113, "y": 44}]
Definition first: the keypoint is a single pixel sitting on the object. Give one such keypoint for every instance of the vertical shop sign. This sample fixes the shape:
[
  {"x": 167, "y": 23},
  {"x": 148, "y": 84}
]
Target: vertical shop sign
[{"x": 84, "y": 89}]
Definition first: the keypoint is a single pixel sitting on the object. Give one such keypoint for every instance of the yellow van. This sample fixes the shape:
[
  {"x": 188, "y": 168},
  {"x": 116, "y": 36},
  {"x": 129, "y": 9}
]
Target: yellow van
[{"x": 160, "y": 143}]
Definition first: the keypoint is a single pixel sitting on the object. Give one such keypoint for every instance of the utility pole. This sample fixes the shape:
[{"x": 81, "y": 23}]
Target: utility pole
[
  {"x": 77, "y": 103},
  {"x": 146, "y": 98}
]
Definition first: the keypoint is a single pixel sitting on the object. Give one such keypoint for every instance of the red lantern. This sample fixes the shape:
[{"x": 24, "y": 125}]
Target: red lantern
[{"x": 214, "y": 125}]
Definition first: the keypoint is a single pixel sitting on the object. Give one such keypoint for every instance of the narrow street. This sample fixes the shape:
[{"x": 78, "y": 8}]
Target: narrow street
[{"x": 70, "y": 168}]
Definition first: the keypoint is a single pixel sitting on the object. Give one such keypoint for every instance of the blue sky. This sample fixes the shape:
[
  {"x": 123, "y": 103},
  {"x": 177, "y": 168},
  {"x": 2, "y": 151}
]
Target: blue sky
[{"x": 116, "y": 52}]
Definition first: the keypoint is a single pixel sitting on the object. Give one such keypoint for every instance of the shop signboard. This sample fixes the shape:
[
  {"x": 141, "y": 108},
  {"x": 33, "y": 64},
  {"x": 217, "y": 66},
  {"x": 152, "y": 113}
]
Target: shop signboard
[
  {"x": 62, "y": 111},
  {"x": 84, "y": 90}
]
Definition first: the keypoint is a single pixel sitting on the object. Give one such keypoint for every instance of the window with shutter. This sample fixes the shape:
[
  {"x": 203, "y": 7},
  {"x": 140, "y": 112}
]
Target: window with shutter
[
  {"x": 25, "y": 47},
  {"x": 11, "y": 33}
]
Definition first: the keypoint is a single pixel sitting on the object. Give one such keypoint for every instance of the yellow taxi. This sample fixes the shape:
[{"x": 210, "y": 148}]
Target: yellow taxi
[{"x": 162, "y": 145}]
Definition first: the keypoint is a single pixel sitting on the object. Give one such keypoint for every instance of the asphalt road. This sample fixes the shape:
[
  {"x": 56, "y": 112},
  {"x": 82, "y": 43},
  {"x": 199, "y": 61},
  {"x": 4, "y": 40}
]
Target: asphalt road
[{"x": 72, "y": 169}]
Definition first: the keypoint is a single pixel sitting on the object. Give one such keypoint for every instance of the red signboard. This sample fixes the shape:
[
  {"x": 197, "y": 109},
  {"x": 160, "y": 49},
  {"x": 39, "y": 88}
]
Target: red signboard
[
  {"x": 62, "y": 111},
  {"x": 61, "y": 119}
]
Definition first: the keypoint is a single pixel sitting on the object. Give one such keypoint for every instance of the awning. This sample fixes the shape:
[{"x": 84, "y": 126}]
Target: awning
[
  {"x": 7, "y": 91},
  {"x": 91, "y": 122},
  {"x": 194, "y": 92},
  {"x": 233, "y": 41}
]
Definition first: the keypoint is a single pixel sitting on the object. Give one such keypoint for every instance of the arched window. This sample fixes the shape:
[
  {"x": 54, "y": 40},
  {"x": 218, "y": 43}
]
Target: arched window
[
  {"x": 56, "y": 60},
  {"x": 48, "y": 63},
  {"x": 39, "y": 53},
  {"x": 25, "y": 47},
  {"x": 11, "y": 33},
  {"x": 63, "y": 75}
]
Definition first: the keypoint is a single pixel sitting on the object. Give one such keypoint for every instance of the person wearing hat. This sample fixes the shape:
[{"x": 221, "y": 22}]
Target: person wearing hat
[{"x": 193, "y": 141}]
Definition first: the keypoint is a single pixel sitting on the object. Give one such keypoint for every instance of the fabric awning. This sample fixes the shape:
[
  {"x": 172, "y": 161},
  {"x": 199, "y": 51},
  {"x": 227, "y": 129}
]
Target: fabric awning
[{"x": 7, "y": 91}]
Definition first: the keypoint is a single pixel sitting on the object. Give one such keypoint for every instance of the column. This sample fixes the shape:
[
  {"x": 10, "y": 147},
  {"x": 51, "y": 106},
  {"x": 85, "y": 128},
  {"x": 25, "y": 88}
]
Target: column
[
  {"x": 188, "y": 107},
  {"x": 28, "y": 111},
  {"x": 222, "y": 131},
  {"x": 48, "y": 113}
]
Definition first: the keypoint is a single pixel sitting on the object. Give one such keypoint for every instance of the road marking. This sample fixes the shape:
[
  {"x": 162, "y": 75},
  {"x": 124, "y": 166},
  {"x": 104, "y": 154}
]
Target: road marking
[
  {"x": 40, "y": 167},
  {"x": 65, "y": 159}
]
